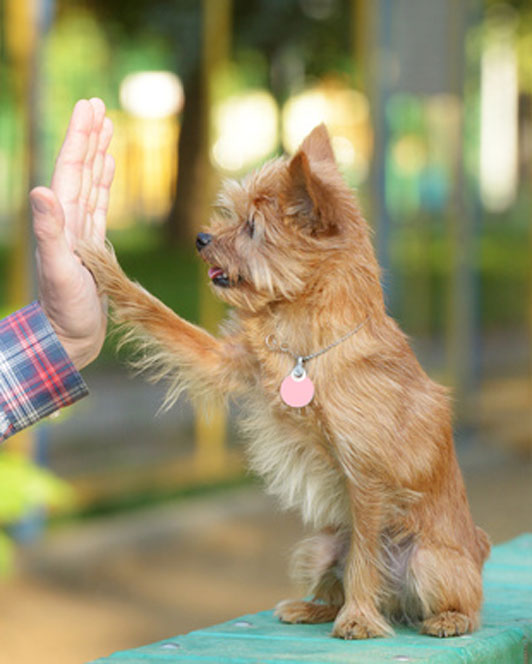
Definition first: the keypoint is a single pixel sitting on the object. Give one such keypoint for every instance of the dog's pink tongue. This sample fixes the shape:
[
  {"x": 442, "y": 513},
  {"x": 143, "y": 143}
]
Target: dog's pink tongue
[{"x": 215, "y": 272}]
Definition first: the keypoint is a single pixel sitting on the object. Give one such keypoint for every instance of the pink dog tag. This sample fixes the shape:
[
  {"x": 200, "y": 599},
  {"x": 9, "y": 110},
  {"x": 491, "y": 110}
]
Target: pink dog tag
[{"x": 297, "y": 389}]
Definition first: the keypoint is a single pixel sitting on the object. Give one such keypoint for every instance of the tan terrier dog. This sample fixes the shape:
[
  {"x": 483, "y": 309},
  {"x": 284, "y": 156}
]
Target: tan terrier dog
[{"x": 342, "y": 421}]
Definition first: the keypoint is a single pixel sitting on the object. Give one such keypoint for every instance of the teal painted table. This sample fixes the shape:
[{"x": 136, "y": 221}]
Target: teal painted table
[{"x": 505, "y": 638}]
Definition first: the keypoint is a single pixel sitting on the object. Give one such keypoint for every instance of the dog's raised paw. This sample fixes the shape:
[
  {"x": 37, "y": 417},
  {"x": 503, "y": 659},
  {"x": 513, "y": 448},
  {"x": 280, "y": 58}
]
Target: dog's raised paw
[
  {"x": 299, "y": 611},
  {"x": 356, "y": 625},
  {"x": 447, "y": 623}
]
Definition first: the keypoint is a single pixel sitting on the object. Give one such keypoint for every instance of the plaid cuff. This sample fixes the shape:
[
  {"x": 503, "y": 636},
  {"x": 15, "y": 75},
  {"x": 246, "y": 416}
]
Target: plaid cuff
[{"x": 36, "y": 374}]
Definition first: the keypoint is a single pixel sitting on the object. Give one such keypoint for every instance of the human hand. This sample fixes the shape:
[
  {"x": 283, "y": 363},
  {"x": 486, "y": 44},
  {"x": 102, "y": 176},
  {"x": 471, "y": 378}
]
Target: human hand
[{"x": 74, "y": 209}]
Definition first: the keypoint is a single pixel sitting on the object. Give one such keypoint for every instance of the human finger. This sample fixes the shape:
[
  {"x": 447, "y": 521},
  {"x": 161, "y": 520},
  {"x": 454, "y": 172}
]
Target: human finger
[
  {"x": 98, "y": 108},
  {"x": 99, "y": 215},
  {"x": 48, "y": 228},
  {"x": 66, "y": 179},
  {"x": 104, "y": 140}
]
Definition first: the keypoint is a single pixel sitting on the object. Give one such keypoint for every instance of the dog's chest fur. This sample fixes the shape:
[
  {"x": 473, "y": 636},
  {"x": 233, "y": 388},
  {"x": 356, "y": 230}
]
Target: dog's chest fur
[{"x": 288, "y": 447}]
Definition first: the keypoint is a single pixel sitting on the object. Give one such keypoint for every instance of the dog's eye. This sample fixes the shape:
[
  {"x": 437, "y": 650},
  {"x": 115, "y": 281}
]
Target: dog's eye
[{"x": 250, "y": 226}]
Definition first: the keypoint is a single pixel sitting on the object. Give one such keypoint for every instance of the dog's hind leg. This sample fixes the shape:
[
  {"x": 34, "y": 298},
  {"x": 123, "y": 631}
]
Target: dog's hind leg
[
  {"x": 327, "y": 600},
  {"x": 448, "y": 585},
  {"x": 301, "y": 611},
  {"x": 318, "y": 566}
]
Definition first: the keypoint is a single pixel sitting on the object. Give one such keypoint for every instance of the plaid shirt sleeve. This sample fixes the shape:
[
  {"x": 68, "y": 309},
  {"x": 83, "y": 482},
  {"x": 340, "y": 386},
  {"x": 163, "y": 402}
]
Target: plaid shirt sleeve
[{"x": 36, "y": 374}]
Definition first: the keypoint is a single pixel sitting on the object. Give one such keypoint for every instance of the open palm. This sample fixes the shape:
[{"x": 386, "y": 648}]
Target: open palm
[{"x": 74, "y": 209}]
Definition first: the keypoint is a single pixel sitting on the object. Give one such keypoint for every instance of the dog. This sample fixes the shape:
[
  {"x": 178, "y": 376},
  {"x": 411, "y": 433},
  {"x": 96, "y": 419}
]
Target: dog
[{"x": 341, "y": 420}]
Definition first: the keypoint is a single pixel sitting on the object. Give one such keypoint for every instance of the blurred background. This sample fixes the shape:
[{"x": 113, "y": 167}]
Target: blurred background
[{"x": 120, "y": 526}]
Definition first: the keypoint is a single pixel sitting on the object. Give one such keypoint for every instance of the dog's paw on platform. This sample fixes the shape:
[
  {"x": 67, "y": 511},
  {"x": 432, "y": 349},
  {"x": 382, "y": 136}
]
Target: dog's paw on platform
[
  {"x": 448, "y": 623},
  {"x": 299, "y": 611},
  {"x": 352, "y": 624}
]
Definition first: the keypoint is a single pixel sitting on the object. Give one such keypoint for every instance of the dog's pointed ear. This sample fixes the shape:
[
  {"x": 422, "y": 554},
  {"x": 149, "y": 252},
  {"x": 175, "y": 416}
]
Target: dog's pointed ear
[
  {"x": 308, "y": 198},
  {"x": 317, "y": 145}
]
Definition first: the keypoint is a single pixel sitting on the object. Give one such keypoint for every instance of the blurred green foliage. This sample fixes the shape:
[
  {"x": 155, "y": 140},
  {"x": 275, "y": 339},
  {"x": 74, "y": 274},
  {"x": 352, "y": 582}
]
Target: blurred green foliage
[
  {"x": 502, "y": 271},
  {"x": 24, "y": 487},
  {"x": 170, "y": 273},
  {"x": 502, "y": 266},
  {"x": 82, "y": 59}
]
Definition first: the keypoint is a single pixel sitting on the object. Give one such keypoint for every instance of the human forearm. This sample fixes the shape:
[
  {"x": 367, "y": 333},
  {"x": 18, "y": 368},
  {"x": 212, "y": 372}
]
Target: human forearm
[{"x": 37, "y": 377}]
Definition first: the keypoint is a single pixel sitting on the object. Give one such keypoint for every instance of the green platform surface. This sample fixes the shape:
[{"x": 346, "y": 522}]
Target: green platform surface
[{"x": 505, "y": 636}]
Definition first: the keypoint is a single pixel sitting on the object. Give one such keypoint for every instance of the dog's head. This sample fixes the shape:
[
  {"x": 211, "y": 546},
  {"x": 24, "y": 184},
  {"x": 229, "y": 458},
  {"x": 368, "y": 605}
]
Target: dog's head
[{"x": 274, "y": 235}]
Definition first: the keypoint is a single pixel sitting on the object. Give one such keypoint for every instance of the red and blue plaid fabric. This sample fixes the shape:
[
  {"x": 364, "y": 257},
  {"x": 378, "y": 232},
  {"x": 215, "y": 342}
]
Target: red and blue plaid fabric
[{"x": 36, "y": 374}]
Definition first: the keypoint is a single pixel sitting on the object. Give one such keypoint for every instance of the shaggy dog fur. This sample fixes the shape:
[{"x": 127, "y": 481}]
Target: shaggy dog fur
[{"x": 370, "y": 462}]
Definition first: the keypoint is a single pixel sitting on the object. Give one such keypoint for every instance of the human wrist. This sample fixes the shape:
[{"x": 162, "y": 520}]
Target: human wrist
[
  {"x": 41, "y": 378},
  {"x": 81, "y": 335},
  {"x": 80, "y": 352}
]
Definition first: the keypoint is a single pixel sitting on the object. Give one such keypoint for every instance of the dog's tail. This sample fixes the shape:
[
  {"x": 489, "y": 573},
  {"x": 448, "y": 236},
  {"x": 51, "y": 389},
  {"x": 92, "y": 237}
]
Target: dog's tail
[{"x": 166, "y": 345}]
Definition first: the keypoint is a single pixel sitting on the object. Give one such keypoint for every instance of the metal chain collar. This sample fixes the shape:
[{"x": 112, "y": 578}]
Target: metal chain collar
[{"x": 273, "y": 345}]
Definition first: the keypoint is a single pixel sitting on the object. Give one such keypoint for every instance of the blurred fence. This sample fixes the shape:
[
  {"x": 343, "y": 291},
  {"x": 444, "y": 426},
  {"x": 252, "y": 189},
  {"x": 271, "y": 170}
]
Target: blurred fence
[{"x": 430, "y": 107}]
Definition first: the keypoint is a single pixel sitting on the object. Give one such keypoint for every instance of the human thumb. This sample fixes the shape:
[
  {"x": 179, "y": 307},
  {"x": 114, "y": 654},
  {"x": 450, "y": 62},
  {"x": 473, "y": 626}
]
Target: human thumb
[{"x": 48, "y": 221}]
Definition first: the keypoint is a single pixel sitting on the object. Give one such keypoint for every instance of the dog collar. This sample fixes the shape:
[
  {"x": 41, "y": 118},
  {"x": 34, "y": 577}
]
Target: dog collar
[{"x": 297, "y": 390}]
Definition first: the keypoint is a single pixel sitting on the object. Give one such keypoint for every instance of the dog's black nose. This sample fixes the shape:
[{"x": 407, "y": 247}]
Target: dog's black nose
[{"x": 203, "y": 240}]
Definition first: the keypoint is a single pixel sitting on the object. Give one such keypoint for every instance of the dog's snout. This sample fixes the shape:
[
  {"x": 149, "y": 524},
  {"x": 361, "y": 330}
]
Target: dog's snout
[{"x": 203, "y": 240}]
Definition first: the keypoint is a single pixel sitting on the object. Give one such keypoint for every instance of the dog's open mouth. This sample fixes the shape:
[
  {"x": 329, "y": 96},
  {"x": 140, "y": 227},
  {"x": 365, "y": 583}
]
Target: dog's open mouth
[{"x": 219, "y": 277}]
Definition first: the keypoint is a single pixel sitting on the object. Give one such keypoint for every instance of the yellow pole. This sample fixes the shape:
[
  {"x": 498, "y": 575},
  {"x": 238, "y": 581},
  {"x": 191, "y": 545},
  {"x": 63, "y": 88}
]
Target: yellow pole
[
  {"x": 21, "y": 38},
  {"x": 21, "y": 42},
  {"x": 211, "y": 447},
  {"x": 359, "y": 40},
  {"x": 460, "y": 319}
]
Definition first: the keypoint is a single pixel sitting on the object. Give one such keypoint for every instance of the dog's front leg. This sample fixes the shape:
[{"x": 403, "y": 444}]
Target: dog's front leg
[
  {"x": 359, "y": 617},
  {"x": 170, "y": 347}
]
